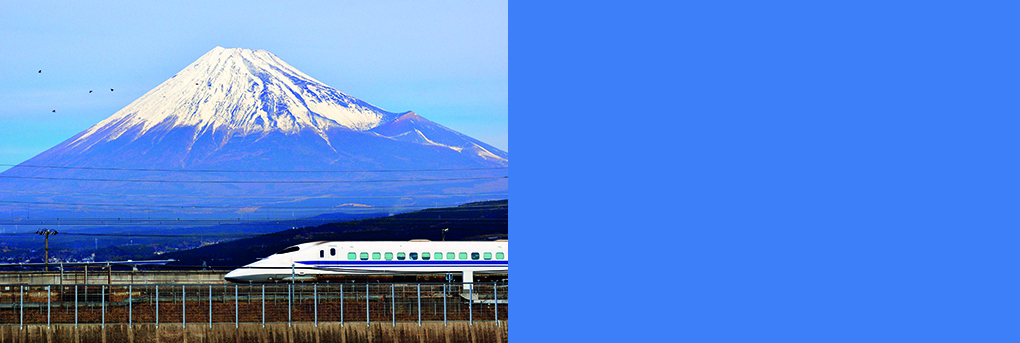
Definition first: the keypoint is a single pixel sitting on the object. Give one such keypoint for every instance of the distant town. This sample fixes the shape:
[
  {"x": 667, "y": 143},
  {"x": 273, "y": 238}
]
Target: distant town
[{"x": 10, "y": 254}]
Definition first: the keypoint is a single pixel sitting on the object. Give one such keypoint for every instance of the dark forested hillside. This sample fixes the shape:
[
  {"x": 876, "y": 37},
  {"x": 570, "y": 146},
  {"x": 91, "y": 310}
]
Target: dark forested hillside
[{"x": 474, "y": 221}]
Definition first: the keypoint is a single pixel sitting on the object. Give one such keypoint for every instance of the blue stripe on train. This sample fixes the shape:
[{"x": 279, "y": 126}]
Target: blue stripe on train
[{"x": 405, "y": 263}]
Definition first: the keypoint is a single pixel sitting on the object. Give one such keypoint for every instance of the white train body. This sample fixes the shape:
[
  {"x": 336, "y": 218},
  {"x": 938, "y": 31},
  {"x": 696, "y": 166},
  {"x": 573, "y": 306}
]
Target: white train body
[{"x": 310, "y": 261}]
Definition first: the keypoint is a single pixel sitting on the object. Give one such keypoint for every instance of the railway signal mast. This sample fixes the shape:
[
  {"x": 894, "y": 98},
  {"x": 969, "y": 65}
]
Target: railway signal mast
[{"x": 47, "y": 233}]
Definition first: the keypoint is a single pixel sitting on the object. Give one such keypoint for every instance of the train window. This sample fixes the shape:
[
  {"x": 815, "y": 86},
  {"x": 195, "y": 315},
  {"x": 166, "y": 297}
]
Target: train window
[
  {"x": 488, "y": 256},
  {"x": 414, "y": 256},
  {"x": 389, "y": 256},
  {"x": 332, "y": 251},
  {"x": 451, "y": 256},
  {"x": 364, "y": 256},
  {"x": 290, "y": 249},
  {"x": 352, "y": 256},
  {"x": 401, "y": 256},
  {"x": 425, "y": 256},
  {"x": 499, "y": 256},
  {"x": 322, "y": 253},
  {"x": 462, "y": 256},
  {"x": 475, "y": 256},
  {"x": 439, "y": 256},
  {"x": 376, "y": 256}
]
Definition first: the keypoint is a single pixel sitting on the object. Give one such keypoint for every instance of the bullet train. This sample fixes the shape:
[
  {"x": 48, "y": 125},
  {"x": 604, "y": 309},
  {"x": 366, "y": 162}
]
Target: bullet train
[{"x": 309, "y": 262}]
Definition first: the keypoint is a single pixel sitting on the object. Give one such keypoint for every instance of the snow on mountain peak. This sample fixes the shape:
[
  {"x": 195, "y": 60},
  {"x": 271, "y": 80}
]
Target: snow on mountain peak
[{"x": 243, "y": 92}]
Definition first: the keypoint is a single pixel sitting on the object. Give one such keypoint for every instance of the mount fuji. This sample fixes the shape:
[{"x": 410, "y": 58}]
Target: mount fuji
[{"x": 241, "y": 132}]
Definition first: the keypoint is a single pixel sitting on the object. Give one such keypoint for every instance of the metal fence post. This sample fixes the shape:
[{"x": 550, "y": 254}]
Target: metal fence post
[
  {"x": 210, "y": 306},
  {"x": 157, "y": 306},
  {"x": 368, "y": 317},
  {"x": 130, "y": 301},
  {"x": 471, "y": 301},
  {"x": 263, "y": 305},
  {"x": 315, "y": 299},
  {"x": 102, "y": 297},
  {"x": 237, "y": 314},
  {"x": 22, "y": 308},
  {"x": 48, "y": 306},
  {"x": 495, "y": 300},
  {"x": 184, "y": 307},
  {"x": 393, "y": 304},
  {"x": 419, "y": 305},
  {"x": 75, "y": 306}
]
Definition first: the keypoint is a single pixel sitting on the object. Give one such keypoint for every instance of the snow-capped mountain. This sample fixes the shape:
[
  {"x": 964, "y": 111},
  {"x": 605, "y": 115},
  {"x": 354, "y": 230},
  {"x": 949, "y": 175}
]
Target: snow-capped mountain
[
  {"x": 260, "y": 121},
  {"x": 239, "y": 92}
]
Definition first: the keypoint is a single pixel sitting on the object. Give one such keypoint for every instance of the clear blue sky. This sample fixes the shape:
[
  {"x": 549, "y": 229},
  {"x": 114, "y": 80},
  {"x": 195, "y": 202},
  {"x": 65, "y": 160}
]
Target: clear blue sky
[{"x": 445, "y": 60}]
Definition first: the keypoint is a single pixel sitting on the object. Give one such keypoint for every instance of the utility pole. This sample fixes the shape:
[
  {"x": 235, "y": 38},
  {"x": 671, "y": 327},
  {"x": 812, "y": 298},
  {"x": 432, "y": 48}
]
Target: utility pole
[
  {"x": 444, "y": 233},
  {"x": 47, "y": 233}
]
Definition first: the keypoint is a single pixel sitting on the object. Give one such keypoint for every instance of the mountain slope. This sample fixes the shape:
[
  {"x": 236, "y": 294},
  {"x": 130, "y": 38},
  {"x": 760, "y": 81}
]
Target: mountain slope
[{"x": 284, "y": 141}]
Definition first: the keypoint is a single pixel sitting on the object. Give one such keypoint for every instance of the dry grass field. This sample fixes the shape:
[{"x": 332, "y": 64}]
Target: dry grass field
[{"x": 430, "y": 332}]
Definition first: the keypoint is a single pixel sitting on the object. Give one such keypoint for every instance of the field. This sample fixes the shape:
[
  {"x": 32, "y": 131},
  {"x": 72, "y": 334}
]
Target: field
[{"x": 431, "y": 332}]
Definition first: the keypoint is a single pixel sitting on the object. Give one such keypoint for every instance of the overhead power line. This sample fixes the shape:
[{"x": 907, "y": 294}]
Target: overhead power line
[
  {"x": 338, "y": 207},
  {"x": 253, "y": 181},
  {"x": 174, "y": 222},
  {"x": 308, "y": 197},
  {"x": 242, "y": 235},
  {"x": 252, "y": 171}
]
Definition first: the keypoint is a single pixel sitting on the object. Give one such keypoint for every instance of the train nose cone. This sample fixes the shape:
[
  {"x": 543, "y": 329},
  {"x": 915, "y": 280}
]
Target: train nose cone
[{"x": 235, "y": 276}]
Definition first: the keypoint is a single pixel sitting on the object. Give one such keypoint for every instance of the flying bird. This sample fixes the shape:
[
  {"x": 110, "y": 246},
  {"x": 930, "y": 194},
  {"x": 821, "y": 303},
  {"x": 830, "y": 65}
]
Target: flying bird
[
  {"x": 54, "y": 111},
  {"x": 111, "y": 89},
  {"x": 90, "y": 91},
  {"x": 40, "y": 71}
]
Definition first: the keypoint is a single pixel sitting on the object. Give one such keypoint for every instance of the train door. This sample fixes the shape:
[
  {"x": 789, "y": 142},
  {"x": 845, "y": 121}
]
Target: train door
[{"x": 333, "y": 254}]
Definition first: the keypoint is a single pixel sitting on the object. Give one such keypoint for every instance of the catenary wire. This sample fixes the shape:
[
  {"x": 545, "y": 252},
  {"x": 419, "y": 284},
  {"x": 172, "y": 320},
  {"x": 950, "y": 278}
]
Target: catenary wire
[
  {"x": 206, "y": 222},
  {"x": 250, "y": 181},
  {"x": 339, "y": 207},
  {"x": 251, "y": 171},
  {"x": 330, "y": 196},
  {"x": 242, "y": 235}
]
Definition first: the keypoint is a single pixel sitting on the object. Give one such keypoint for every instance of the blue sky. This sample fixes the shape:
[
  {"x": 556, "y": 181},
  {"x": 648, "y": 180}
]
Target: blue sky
[{"x": 445, "y": 60}]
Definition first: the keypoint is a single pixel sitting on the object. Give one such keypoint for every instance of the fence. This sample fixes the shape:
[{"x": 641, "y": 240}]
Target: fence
[{"x": 235, "y": 304}]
